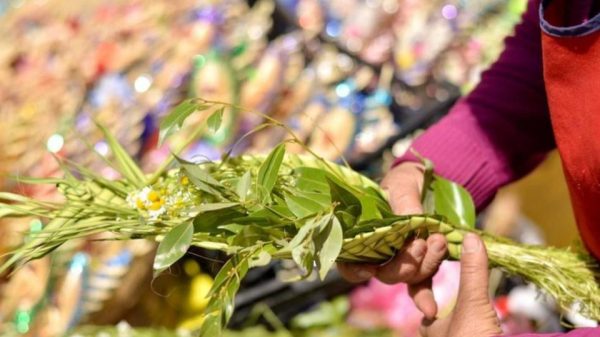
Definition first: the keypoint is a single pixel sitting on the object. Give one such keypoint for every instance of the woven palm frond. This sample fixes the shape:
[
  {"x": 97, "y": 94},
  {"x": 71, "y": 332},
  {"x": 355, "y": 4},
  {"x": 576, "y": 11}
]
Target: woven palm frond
[{"x": 280, "y": 206}]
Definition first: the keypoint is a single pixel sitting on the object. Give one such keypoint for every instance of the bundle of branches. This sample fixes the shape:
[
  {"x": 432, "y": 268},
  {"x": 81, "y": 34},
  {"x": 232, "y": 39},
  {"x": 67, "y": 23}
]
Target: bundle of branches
[{"x": 279, "y": 206}]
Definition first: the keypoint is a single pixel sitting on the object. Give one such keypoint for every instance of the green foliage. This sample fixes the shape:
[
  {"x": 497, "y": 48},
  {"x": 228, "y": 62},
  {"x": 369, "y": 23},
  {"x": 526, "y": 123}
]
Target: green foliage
[
  {"x": 325, "y": 315},
  {"x": 243, "y": 186},
  {"x": 310, "y": 179},
  {"x": 280, "y": 206},
  {"x": 210, "y": 221},
  {"x": 222, "y": 294},
  {"x": 453, "y": 202},
  {"x": 173, "y": 247},
  {"x": 215, "y": 120},
  {"x": 174, "y": 120},
  {"x": 446, "y": 198},
  {"x": 199, "y": 177},
  {"x": 328, "y": 245},
  {"x": 269, "y": 170},
  {"x": 344, "y": 197},
  {"x": 302, "y": 206},
  {"x": 125, "y": 164}
]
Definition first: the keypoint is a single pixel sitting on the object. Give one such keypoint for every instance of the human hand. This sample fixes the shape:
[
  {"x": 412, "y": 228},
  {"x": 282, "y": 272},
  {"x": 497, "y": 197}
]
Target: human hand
[
  {"x": 473, "y": 314},
  {"x": 420, "y": 259}
]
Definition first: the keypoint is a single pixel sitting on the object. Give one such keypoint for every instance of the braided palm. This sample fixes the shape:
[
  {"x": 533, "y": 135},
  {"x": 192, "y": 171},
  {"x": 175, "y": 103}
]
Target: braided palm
[{"x": 94, "y": 205}]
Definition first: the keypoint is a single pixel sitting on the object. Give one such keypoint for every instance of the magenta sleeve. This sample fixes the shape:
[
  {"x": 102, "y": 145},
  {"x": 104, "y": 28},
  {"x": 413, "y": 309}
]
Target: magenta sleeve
[
  {"x": 584, "y": 332},
  {"x": 500, "y": 131}
]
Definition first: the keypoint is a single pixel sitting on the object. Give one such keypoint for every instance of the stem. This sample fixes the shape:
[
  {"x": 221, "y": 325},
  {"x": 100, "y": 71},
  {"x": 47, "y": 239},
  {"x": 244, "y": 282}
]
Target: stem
[
  {"x": 277, "y": 123},
  {"x": 163, "y": 167}
]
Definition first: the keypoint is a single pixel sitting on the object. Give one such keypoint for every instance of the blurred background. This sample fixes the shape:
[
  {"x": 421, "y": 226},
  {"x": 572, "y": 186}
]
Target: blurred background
[{"x": 370, "y": 73}]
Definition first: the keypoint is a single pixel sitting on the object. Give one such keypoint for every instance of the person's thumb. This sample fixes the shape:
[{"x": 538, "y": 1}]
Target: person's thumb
[
  {"x": 474, "y": 311},
  {"x": 473, "y": 271}
]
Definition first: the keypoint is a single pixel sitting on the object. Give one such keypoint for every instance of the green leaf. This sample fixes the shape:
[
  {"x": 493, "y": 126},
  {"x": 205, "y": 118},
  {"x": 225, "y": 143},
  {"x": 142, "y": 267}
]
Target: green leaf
[
  {"x": 174, "y": 120},
  {"x": 301, "y": 206},
  {"x": 211, "y": 221},
  {"x": 303, "y": 233},
  {"x": 331, "y": 248},
  {"x": 302, "y": 246},
  {"x": 383, "y": 206},
  {"x": 15, "y": 197},
  {"x": 194, "y": 170},
  {"x": 203, "y": 208},
  {"x": 233, "y": 228},
  {"x": 311, "y": 180},
  {"x": 347, "y": 219},
  {"x": 202, "y": 179},
  {"x": 215, "y": 119},
  {"x": 369, "y": 208},
  {"x": 211, "y": 245},
  {"x": 126, "y": 165},
  {"x": 229, "y": 305},
  {"x": 344, "y": 197},
  {"x": 263, "y": 258},
  {"x": 304, "y": 256},
  {"x": 222, "y": 276},
  {"x": 251, "y": 234},
  {"x": 282, "y": 211},
  {"x": 453, "y": 202},
  {"x": 222, "y": 293},
  {"x": 35, "y": 180},
  {"x": 269, "y": 170},
  {"x": 243, "y": 186},
  {"x": 364, "y": 227},
  {"x": 211, "y": 327},
  {"x": 263, "y": 217},
  {"x": 173, "y": 247},
  {"x": 322, "y": 198}
]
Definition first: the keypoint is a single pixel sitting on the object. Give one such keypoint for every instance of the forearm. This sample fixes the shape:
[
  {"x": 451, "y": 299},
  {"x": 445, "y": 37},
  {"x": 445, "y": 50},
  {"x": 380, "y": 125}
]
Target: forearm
[{"x": 502, "y": 130}]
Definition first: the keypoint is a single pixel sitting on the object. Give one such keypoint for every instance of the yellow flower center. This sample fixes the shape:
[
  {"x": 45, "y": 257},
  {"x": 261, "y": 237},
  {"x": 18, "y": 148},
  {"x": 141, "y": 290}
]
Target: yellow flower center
[
  {"x": 153, "y": 196},
  {"x": 156, "y": 205}
]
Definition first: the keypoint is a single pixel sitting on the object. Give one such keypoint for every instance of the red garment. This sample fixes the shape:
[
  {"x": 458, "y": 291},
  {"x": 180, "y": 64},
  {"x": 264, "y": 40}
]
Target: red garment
[{"x": 572, "y": 75}]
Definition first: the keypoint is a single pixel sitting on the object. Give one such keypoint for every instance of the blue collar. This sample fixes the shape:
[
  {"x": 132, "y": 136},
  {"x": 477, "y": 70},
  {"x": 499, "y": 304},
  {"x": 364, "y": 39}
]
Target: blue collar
[{"x": 583, "y": 29}]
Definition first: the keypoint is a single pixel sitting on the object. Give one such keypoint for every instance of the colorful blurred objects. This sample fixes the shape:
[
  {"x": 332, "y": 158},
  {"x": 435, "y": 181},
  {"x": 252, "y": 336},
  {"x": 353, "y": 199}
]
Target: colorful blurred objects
[
  {"x": 378, "y": 305},
  {"x": 354, "y": 79}
]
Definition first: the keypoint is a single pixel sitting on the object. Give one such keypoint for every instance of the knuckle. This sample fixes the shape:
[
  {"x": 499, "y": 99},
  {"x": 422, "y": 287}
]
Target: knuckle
[
  {"x": 353, "y": 273},
  {"x": 475, "y": 303},
  {"x": 388, "y": 280},
  {"x": 408, "y": 272},
  {"x": 430, "y": 267},
  {"x": 470, "y": 269},
  {"x": 397, "y": 274}
]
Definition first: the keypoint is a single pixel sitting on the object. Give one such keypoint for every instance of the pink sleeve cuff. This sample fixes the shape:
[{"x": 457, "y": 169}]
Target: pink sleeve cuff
[
  {"x": 459, "y": 158},
  {"x": 583, "y": 332}
]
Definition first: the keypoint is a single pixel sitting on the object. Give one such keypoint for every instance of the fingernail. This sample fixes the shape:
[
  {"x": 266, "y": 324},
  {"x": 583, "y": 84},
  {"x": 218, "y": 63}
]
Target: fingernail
[
  {"x": 427, "y": 322},
  {"x": 471, "y": 243},
  {"x": 364, "y": 274},
  {"x": 438, "y": 246}
]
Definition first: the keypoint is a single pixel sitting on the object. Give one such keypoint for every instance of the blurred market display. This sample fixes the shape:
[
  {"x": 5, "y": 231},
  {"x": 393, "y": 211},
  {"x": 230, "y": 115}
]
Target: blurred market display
[{"x": 354, "y": 79}]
